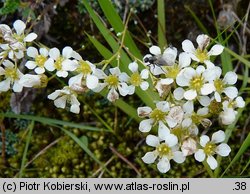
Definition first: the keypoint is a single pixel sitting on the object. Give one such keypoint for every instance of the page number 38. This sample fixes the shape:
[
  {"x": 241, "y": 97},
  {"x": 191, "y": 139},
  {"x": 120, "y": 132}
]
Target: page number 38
[{"x": 240, "y": 186}]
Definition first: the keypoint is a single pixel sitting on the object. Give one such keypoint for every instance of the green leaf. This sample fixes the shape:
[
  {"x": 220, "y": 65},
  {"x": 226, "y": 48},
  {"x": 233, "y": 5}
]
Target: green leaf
[
  {"x": 24, "y": 158},
  {"x": 9, "y": 7},
  {"x": 116, "y": 22},
  {"x": 162, "y": 41},
  {"x": 241, "y": 151},
  {"x": 49, "y": 121},
  {"x": 197, "y": 19}
]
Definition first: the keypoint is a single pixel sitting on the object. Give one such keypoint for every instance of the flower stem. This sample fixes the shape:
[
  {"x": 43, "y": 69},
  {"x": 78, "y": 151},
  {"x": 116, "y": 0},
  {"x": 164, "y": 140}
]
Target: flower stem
[{"x": 209, "y": 171}]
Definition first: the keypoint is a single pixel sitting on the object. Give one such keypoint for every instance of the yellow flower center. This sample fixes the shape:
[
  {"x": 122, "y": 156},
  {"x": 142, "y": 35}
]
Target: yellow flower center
[
  {"x": 219, "y": 85},
  {"x": 58, "y": 63},
  {"x": 163, "y": 150},
  {"x": 201, "y": 55},
  {"x": 157, "y": 115},
  {"x": 135, "y": 79},
  {"x": 180, "y": 132},
  {"x": 112, "y": 80},
  {"x": 11, "y": 73},
  {"x": 40, "y": 60},
  {"x": 19, "y": 38},
  {"x": 215, "y": 107},
  {"x": 172, "y": 71},
  {"x": 84, "y": 68},
  {"x": 209, "y": 149},
  {"x": 196, "y": 83}
]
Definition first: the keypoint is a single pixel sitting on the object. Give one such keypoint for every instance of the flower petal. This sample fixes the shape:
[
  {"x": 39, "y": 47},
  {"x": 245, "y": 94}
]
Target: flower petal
[
  {"x": 216, "y": 50},
  {"x": 199, "y": 155},
  {"x": 144, "y": 111},
  {"x": 184, "y": 60},
  {"x": 207, "y": 89},
  {"x": 163, "y": 165},
  {"x": 190, "y": 94},
  {"x": 32, "y": 52},
  {"x": 91, "y": 81},
  {"x": 217, "y": 97},
  {"x": 5, "y": 85},
  {"x": 39, "y": 70},
  {"x": 152, "y": 140},
  {"x": 146, "y": 125},
  {"x": 155, "y": 50},
  {"x": 75, "y": 109},
  {"x": 149, "y": 157},
  {"x": 163, "y": 131},
  {"x": 188, "y": 46},
  {"x": 223, "y": 149},
  {"x": 203, "y": 40},
  {"x": 133, "y": 67},
  {"x": 178, "y": 157},
  {"x": 171, "y": 140},
  {"x": 204, "y": 100},
  {"x": 230, "y": 78},
  {"x": 169, "y": 55},
  {"x": 49, "y": 64},
  {"x": 179, "y": 93},
  {"x": 240, "y": 103},
  {"x": 163, "y": 106},
  {"x": 212, "y": 162},
  {"x": 204, "y": 139},
  {"x": 19, "y": 26},
  {"x": 61, "y": 102},
  {"x": 112, "y": 95},
  {"x": 54, "y": 53},
  {"x": 218, "y": 136},
  {"x": 30, "y": 64},
  {"x": 67, "y": 52},
  {"x": 231, "y": 92},
  {"x": 30, "y": 37},
  {"x": 144, "y": 74}
]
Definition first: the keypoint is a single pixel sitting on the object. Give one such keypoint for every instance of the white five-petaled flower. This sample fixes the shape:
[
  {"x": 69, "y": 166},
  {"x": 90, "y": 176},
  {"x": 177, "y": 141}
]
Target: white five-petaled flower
[
  {"x": 15, "y": 43},
  {"x": 228, "y": 115},
  {"x": 113, "y": 81},
  {"x": 65, "y": 97},
  {"x": 57, "y": 61},
  {"x": 12, "y": 77},
  {"x": 201, "y": 54},
  {"x": 85, "y": 72},
  {"x": 136, "y": 79},
  {"x": 39, "y": 59},
  {"x": 166, "y": 150},
  {"x": 209, "y": 148},
  {"x": 222, "y": 85},
  {"x": 157, "y": 116},
  {"x": 199, "y": 81},
  {"x": 172, "y": 70}
]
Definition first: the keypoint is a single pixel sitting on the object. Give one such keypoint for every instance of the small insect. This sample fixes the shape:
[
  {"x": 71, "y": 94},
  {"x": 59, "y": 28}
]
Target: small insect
[{"x": 156, "y": 60}]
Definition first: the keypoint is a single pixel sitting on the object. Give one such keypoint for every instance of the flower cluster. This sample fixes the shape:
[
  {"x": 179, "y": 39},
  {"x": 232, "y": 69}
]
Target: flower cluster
[{"x": 192, "y": 92}]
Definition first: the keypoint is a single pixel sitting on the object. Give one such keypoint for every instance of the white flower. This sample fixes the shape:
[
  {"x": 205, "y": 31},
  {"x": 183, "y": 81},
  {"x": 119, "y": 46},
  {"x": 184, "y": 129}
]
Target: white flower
[
  {"x": 39, "y": 59},
  {"x": 113, "y": 81},
  {"x": 222, "y": 86},
  {"x": 192, "y": 119},
  {"x": 210, "y": 148},
  {"x": 58, "y": 62},
  {"x": 228, "y": 114},
  {"x": 65, "y": 97},
  {"x": 16, "y": 42},
  {"x": 189, "y": 146},
  {"x": 201, "y": 54},
  {"x": 171, "y": 72},
  {"x": 136, "y": 79},
  {"x": 29, "y": 80},
  {"x": 157, "y": 116},
  {"x": 198, "y": 81},
  {"x": 12, "y": 76},
  {"x": 165, "y": 151},
  {"x": 85, "y": 73}
]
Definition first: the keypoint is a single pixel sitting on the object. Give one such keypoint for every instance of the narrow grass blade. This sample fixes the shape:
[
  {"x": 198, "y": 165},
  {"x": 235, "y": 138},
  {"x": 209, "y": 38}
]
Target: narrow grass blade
[
  {"x": 197, "y": 19},
  {"x": 241, "y": 151},
  {"x": 49, "y": 121},
  {"x": 162, "y": 41},
  {"x": 116, "y": 22},
  {"x": 24, "y": 158}
]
